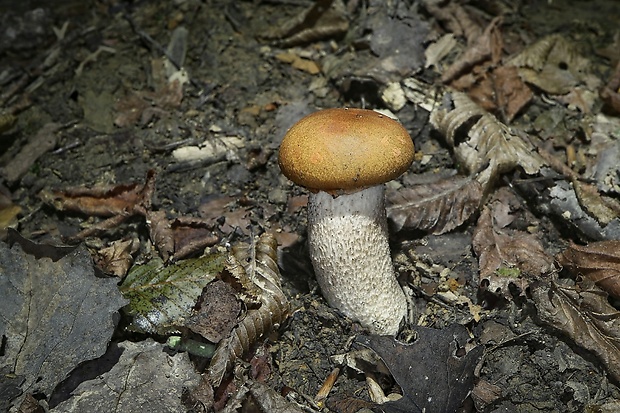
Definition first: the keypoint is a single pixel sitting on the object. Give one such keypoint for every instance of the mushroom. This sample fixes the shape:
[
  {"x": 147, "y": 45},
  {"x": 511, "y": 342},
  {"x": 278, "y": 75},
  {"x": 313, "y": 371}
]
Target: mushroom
[{"x": 344, "y": 157}]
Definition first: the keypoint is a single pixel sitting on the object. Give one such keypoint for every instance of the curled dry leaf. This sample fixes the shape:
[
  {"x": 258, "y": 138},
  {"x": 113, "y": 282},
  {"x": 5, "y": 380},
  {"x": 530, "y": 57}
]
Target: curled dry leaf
[
  {"x": 585, "y": 315},
  {"x": 480, "y": 141},
  {"x": 117, "y": 258},
  {"x": 436, "y": 207},
  {"x": 598, "y": 261},
  {"x": 507, "y": 256},
  {"x": 322, "y": 20},
  {"x": 104, "y": 201},
  {"x": 259, "y": 262}
]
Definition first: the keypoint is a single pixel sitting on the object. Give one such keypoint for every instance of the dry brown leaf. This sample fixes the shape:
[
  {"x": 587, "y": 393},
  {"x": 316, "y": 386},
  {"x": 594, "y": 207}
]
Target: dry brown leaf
[
  {"x": 598, "y": 261},
  {"x": 322, "y": 20},
  {"x": 487, "y": 46},
  {"x": 160, "y": 232},
  {"x": 552, "y": 64},
  {"x": 437, "y": 207},
  {"x": 258, "y": 262},
  {"x": 584, "y": 315},
  {"x": 455, "y": 19},
  {"x": 216, "y": 312},
  {"x": 192, "y": 235},
  {"x": 104, "y": 201},
  {"x": 117, "y": 258},
  {"x": 507, "y": 256},
  {"x": 480, "y": 141}
]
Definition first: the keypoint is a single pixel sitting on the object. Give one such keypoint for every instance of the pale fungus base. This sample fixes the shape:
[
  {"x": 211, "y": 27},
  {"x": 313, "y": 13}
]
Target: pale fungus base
[{"x": 349, "y": 248}]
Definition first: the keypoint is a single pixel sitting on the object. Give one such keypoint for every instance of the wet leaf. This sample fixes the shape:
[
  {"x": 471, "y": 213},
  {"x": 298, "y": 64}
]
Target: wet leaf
[
  {"x": 598, "y": 261},
  {"x": 436, "y": 372},
  {"x": 480, "y": 141},
  {"x": 507, "y": 256},
  {"x": 55, "y": 315},
  {"x": 259, "y": 263},
  {"x": 162, "y": 297},
  {"x": 145, "y": 378},
  {"x": 435, "y": 207},
  {"x": 583, "y": 314}
]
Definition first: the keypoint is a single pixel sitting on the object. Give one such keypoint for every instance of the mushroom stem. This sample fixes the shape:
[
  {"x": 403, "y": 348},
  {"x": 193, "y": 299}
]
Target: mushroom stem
[{"x": 348, "y": 241}]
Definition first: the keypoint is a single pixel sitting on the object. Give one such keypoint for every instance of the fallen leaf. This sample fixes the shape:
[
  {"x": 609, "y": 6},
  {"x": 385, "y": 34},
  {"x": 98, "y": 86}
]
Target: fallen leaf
[
  {"x": 435, "y": 207},
  {"x": 598, "y": 261},
  {"x": 481, "y": 142},
  {"x": 436, "y": 372},
  {"x": 585, "y": 316},
  {"x": 216, "y": 312},
  {"x": 161, "y": 298},
  {"x": 553, "y": 64},
  {"x": 49, "y": 324},
  {"x": 117, "y": 258},
  {"x": 258, "y": 262},
  {"x": 135, "y": 382},
  {"x": 322, "y": 20},
  {"x": 594, "y": 204},
  {"x": 507, "y": 256}
]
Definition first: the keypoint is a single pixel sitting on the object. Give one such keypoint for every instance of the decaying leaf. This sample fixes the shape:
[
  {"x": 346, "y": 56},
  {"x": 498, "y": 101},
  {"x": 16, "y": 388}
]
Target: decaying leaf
[
  {"x": 435, "y": 207},
  {"x": 594, "y": 204},
  {"x": 507, "y": 256},
  {"x": 117, "y": 258},
  {"x": 480, "y": 141},
  {"x": 135, "y": 382},
  {"x": 610, "y": 93},
  {"x": 488, "y": 46},
  {"x": 54, "y": 316},
  {"x": 322, "y": 20},
  {"x": 583, "y": 314},
  {"x": 259, "y": 262},
  {"x": 162, "y": 297},
  {"x": 436, "y": 372},
  {"x": 598, "y": 261},
  {"x": 216, "y": 312},
  {"x": 552, "y": 64},
  {"x": 103, "y": 201}
]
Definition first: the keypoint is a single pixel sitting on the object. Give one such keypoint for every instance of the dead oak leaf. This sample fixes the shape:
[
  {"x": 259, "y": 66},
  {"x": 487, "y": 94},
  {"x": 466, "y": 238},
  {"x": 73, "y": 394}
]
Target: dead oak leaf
[{"x": 598, "y": 261}]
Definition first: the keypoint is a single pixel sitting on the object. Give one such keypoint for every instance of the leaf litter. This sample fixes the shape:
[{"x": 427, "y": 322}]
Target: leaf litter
[{"x": 371, "y": 61}]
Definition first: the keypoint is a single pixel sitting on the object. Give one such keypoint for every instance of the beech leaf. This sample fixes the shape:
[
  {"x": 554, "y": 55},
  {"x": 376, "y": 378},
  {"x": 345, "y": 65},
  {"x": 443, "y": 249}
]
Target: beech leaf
[
  {"x": 598, "y": 261},
  {"x": 161, "y": 297},
  {"x": 585, "y": 315},
  {"x": 481, "y": 142},
  {"x": 437, "y": 207},
  {"x": 258, "y": 262}
]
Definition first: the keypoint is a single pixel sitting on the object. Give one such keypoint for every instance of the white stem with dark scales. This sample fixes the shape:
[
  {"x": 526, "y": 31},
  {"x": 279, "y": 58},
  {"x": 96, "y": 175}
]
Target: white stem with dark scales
[{"x": 350, "y": 253}]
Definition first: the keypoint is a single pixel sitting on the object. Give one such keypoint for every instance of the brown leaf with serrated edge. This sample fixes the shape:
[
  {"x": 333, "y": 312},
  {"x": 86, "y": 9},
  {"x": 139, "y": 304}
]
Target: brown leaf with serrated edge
[
  {"x": 598, "y": 261},
  {"x": 436, "y": 207},
  {"x": 481, "y": 142},
  {"x": 583, "y": 314},
  {"x": 104, "y": 201},
  {"x": 500, "y": 251},
  {"x": 259, "y": 262}
]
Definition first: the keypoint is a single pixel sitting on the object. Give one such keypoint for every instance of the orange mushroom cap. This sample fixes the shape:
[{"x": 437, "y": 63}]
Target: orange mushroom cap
[{"x": 345, "y": 150}]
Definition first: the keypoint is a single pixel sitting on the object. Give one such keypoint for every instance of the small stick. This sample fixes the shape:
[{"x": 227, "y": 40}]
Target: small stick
[{"x": 327, "y": 386}]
